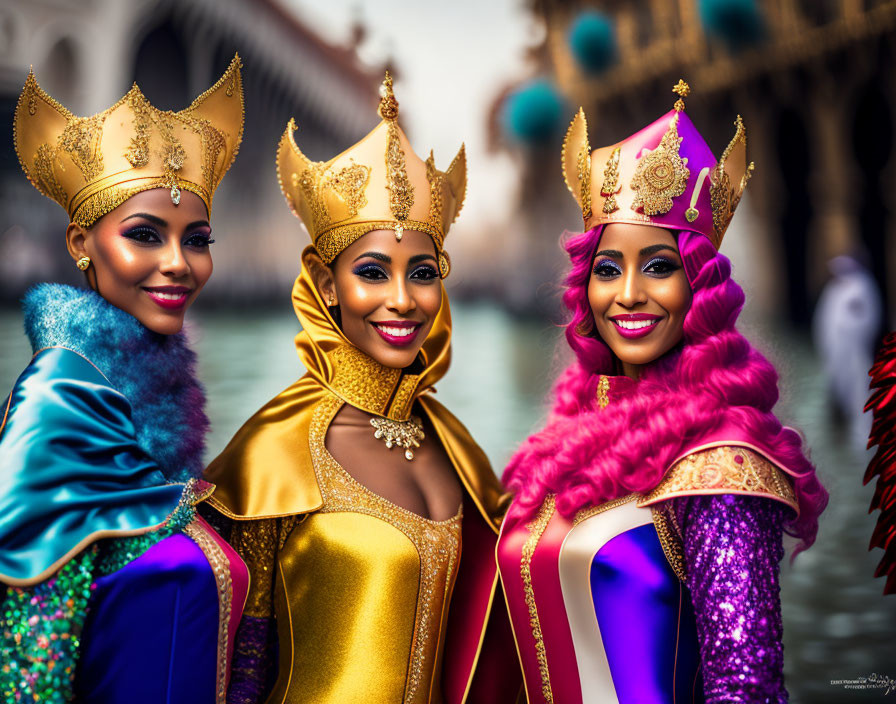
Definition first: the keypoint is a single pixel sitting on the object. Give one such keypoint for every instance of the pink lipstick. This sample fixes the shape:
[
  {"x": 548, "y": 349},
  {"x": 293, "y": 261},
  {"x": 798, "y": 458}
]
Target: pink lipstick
[
  {"x": 169, "y": 297},
  {"x": 633, "y": 326},
  {"x": 399, "y": 333}
]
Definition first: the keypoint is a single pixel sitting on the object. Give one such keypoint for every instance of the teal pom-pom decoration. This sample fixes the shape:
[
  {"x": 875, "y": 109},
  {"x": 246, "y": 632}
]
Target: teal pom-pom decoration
[
  {"x": 592, "y": 41},
  {"x": 534, "y": 112},
  {"x": 738, "y": 23}
]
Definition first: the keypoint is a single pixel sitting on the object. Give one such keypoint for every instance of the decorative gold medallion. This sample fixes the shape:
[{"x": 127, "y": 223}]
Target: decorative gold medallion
[
  {"x": 404, "y": 433},
  {"x": 691, "y": 214},
  {"x": 661, "y": 174},
  {"x": 611, "y": 185}
]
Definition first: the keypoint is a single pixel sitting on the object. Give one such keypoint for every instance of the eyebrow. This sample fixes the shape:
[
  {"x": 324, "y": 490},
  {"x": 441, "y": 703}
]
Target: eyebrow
[
  {"x": 375, "y": 255},
  {"x": 652, "y": 249},
  {"x": 154, "y": 219},
  {"x": 379, "y": 256}
]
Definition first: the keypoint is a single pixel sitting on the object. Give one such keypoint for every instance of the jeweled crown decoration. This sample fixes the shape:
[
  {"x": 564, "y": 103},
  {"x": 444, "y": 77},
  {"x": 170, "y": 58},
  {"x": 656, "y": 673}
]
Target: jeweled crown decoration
[
  {"x": 377, "y": 184},
  {"x": 91, "y": 165},
  {"x": 663, "y": 175}
]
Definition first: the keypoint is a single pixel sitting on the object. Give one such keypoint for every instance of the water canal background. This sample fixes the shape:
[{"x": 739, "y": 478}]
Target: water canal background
[{"x": 837, "y": 625}]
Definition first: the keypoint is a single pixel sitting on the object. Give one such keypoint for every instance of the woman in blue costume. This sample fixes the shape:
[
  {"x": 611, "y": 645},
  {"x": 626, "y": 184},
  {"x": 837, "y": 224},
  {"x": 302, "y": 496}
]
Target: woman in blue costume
[{"x": 113, "y": 588}]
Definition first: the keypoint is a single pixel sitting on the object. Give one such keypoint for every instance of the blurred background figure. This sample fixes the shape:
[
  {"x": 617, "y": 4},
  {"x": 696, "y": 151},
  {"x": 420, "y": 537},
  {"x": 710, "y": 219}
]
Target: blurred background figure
[
  {"x": 813, "y": 80},
  {"x": 845, "y": 327}
]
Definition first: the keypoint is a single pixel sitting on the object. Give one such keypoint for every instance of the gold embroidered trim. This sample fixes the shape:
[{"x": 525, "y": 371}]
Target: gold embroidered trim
[
  {"x": 585, "y": 513},
  {"x": 723, "y": 198},
  {"x": 536, "y": 529},
  {"x": 611, "y": 185},
  {"x": 603, "y": 388},
  {"x": 331, "y": 242},
  {"x": 669, "y": 535},
  {"x": 724, "y": 470},
  {"x": 221, "y": 569},
  {"x": 437, "y": 542},
  {"x": 661, "y": 174}
]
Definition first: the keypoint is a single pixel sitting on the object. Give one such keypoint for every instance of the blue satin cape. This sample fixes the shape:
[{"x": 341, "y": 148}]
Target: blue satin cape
[{"x": 71, "y": 470}]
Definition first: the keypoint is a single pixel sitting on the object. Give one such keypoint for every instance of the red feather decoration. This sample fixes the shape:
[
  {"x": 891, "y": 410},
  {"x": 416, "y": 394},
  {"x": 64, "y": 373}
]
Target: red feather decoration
[{"x": 883, "y": 465}]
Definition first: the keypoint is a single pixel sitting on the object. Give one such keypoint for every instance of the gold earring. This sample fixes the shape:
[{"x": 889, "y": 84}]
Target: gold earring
[
  {"x": 83, "y": 263},
  {"x": 332, "y": 301}
]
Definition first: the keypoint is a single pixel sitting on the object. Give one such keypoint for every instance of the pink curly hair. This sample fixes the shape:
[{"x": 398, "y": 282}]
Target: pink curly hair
[{"x": 714, "y": 377}]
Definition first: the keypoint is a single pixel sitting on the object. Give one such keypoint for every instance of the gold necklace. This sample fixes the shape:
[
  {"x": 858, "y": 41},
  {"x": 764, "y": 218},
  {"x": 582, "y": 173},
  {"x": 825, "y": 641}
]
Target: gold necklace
[{"x": 404, "y": 433}]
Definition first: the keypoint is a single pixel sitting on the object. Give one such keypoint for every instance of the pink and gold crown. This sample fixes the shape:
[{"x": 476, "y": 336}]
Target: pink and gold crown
[
  {"x": 664, "y": 175},
  {"x": 91, "y": 165},
  {"x": 377, "y": 184}
]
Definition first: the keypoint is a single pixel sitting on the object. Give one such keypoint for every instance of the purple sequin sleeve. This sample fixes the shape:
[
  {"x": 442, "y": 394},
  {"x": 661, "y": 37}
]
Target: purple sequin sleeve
[
  {"x": 732, "y": 549},
  {"x": 252, "y": 666}
]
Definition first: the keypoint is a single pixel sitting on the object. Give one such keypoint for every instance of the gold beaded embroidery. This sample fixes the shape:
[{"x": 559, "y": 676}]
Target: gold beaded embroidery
[
  {"x": 401, "y": 193},
  {"x": 436, "y": 183},
  {"x": 670, "y": 538},
  {"x": 437, "y": 542},
  {"x": 331, "y": 242},
  {"x": 256, "y": 543},
  {"x": 81, "y": 140},
  {"x": 585, "y": 513},
  {"x": 361, "y": 380},
  {"x": 721, "y": 470},
  {"x": 603, "y": 388},
  {"x": 221, "y": 569},
  {"x": 45, "y": 174},
  {"x": 611, "y": 185},
  {"x": 536, "y": 529},
  {"x": 583, "y": 174}
]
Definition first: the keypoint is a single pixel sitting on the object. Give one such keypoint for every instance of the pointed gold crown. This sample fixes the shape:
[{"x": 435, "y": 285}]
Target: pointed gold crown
[
  {"x": 377, "y": 184},
  {"x": 663, "y": 175},
  {"x": 91, "y": 165}
]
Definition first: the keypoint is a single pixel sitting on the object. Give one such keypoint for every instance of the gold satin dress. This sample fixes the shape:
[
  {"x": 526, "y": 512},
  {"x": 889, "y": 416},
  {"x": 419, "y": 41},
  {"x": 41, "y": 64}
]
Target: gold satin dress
[{"x": 361, "y": 592}]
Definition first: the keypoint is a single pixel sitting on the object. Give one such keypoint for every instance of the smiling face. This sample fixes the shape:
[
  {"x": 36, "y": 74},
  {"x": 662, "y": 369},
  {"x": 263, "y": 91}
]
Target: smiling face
[
  {"x": 148, "y": 257},
  {"x": 639, "y": 293},
  {"x": 388, "y": 293}
]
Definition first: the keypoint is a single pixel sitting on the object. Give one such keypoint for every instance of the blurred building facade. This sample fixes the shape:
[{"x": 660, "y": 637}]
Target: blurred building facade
[
  {"x": 814, "y": 82},
  {"x": 86, "y": 54}
]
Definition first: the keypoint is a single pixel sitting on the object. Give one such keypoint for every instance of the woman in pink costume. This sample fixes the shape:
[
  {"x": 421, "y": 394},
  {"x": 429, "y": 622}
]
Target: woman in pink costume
[{"x": 640, "y": 555}]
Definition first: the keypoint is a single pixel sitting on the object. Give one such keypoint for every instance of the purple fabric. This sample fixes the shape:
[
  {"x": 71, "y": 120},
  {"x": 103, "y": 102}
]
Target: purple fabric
[
  {"x": 254, "y": 654},
  {"x": 639, "y": 601},
  {"x": 732, "y": 548},
  {"x": 151, "y": 633}
]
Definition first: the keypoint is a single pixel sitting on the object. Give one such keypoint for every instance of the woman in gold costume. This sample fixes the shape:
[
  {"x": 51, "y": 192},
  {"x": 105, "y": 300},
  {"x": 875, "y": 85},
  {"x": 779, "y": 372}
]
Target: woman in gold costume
[{"x": 361, "y": 505}]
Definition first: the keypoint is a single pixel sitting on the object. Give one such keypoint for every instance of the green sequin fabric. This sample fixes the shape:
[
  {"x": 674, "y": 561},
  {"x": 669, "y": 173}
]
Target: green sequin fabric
[
  {"x": 39, "y": 634},
  {"x": 41, "y": 625}
]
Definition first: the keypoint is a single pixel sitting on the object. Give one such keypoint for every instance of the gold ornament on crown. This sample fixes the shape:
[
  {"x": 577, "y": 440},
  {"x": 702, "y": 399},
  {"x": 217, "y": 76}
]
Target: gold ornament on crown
[
  {"x": 91, "y": 165},
  {"x": 377, "y": 184},
  {"x": 640, "y": 184},
  {"x": 662, "y": 174}
]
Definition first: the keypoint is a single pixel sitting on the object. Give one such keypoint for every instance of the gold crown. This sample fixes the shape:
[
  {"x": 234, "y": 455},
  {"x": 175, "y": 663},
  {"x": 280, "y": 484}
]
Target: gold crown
[
  {"x": 377, "y": 184},
  {"x": 665, "y": 175},
  {"x": 91, "y": 165}
]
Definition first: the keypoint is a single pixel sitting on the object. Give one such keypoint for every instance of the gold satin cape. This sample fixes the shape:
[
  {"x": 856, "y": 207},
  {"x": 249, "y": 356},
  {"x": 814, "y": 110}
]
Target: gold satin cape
[{"x": 267, "y": 471}]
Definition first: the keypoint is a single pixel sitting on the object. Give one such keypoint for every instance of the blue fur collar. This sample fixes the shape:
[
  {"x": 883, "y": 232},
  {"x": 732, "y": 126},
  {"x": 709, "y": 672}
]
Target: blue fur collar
[{"x": 156, "y": 373}]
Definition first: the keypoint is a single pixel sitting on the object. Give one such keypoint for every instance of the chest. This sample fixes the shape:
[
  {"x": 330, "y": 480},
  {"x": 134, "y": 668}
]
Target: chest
[{"x": 427, "y": 485}]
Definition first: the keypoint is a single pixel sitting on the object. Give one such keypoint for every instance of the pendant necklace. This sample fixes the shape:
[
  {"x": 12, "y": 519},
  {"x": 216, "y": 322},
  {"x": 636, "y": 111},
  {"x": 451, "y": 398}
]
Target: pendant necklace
[{"x": 404, "y": 433}]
